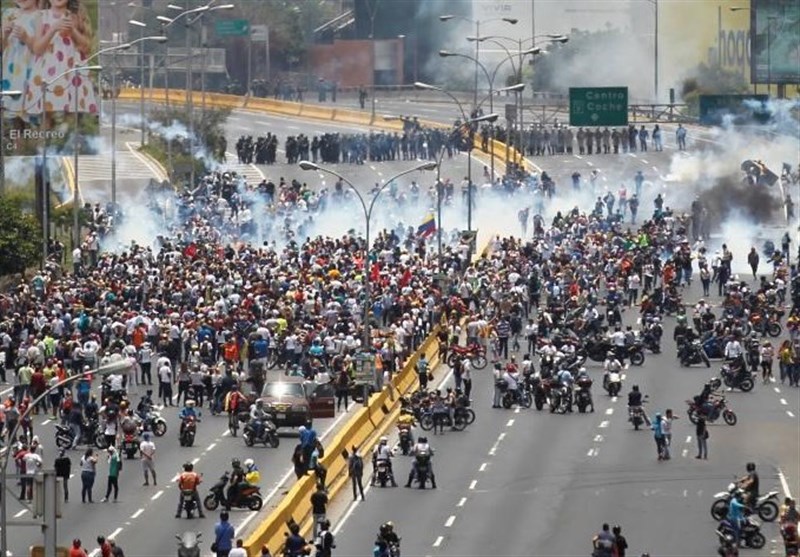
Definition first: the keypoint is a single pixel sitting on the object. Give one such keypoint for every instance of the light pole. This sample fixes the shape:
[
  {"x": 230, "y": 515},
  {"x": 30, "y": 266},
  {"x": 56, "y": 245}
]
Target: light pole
[
  {"x": 307, "y": 165},
  {"x": 13, "y": 95},
  {"x": 655, "y": 50},
  {"x": 118, "y": 367},
  {"x": 46, "y": 172},
  {"x": 198, "y": 14},
  {"x": 142, "y": 26},
  {"x": 770, "y": 19}
]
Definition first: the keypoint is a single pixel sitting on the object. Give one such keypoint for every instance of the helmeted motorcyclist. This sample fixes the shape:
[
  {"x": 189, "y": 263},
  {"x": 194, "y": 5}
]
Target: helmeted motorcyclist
[
  {"x": 611, "y": 365},
  {"x": 383, "y": 453},
  {"x": 188, "y": 411},
  {"x": 386, "y": 537},
  {"x": 565, "y": 381},
  {"x": 257, "y": 417},
  {"x": 188, "y": 481},
  {"x": 235, "y": 482},
  {"x": 406, "y": 422},
  {"x": 635, "y": 399},
  {"x": 584, "y": 383},
  {"x": 749, "y": 484},
  {"x": 421, "y": 450},
  {"x": 145, "y": 405}
]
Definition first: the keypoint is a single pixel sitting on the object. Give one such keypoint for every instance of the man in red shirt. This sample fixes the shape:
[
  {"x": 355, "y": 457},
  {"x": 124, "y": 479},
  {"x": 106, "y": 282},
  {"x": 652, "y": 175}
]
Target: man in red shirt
[
  {"x": 77, "y": 550},
  {"x": 104, "y": 547}
]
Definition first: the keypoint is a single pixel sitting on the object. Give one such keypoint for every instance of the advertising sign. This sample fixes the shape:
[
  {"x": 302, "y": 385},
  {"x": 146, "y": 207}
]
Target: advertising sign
[
  {"x": 44, "y": 44},
  {"x": 775, "y": 40}
]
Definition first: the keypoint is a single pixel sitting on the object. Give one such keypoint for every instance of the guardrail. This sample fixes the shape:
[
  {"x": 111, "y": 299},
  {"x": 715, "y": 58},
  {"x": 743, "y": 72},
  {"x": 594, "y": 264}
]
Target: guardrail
[{"x": 362, "y": 430}]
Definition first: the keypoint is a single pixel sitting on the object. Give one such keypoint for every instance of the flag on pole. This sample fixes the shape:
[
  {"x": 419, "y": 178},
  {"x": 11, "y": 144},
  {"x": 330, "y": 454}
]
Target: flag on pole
[{"x": 428, "y": 226}]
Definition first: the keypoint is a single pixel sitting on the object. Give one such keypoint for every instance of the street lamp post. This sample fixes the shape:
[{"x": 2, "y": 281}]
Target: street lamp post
[
  {"x": 141, "y": 26},
  {"x": 13, "y": 95},
  {"x": 307, "y": 165},
  {"x": 118, "y": 367},
  {"x": 46, "y": 172}
]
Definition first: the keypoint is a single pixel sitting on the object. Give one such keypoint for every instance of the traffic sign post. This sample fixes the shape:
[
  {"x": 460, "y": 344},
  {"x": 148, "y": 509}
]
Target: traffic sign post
[
  {"x": 232, "y": 27},
  {"x": 598, "y": 106}
]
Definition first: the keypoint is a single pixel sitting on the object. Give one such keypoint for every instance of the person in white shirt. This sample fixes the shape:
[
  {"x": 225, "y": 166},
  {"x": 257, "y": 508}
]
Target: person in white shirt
[
  {"x": 147, "y": 450},
  {"x": 239, "y": 550}
]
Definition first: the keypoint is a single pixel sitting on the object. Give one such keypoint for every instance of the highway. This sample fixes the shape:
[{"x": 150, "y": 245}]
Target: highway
[
  {"x": 510, "y": 473},
  {"x": 528, "y": 483}
]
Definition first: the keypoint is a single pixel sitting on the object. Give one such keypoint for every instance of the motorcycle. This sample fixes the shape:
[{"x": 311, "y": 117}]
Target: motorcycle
[
  {"x": 115, "y": 396},
  {"x": 636, "y": 416},
  {"x": 188, "y": 431},
  {"x": 426, "y": 420},
  {"x": 423, "y": 469},
  {"x": 475, "y": 353},
  {"x": 155, "y": 423},
  {"x": 130, "y": 444},
  {"x": 718, "y": 408},
  {"x": 738, "y": 378},
  {"x": 766, "y": 326},
  {"x": 750, "y": 532},
  {"x": 249, "y": 496},
  {"x": 541, "y": 391},
  {"x": 64, "y": 437},
  {"x": 187, "y": 503},
  {"x": 382, "y": 473},
  {"x": 583, "y": 395},
  {"x": 267, "y": 435},
  {"x": 189, "y": 544},
  {"x": 612, "y": 383},
  {"x": 765, "y": 506},
  {"x": 693, "y": 353},
  {"x": 404, "y": 433},
  {"x": 560, "y": 400},
  {"x": 519, "y": 396}
]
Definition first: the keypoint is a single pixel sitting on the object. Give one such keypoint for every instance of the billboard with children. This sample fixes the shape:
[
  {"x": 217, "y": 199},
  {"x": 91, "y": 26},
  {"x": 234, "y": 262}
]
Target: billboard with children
[{"x": 45, "y": 43}]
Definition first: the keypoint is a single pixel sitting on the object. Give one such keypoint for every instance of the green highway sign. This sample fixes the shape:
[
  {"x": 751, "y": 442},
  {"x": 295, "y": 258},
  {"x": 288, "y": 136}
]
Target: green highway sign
[
  {"x": 232, "y": 27},
  {"x": 598, "y": 106}
]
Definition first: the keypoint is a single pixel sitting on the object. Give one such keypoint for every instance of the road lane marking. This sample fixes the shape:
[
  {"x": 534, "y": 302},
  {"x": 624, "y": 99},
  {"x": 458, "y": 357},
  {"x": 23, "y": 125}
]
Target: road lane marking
[
  {"x": 211, "y": 446},
  {"x": 438, "y": 541},
  {"x": 613, "y": 399},
  {"x": 789, "y": 413},
  {"x": 590, "y": 163},
  {"x": 603, "y": 424},
  {"x": 590, "y": 453},
  {"x": 609, "y": 411},
  {"x": 645, "y": 161},
  {"x": 493, "y": 451},
  {"x": 226, "y": 433},
  {"x": 137, "y": 514},
  {"x": 114, "y": 534},
  {"x": 196, "y": 460},
  {"x": 783, "y": 401},
  {"x": 501, "y": 436},
  {"x": 483, "y": 467},
  {"x": 688, "y": 438},
  {"x": 175, "y": 479},
  {"x": 655, "y": 169},
  {"x": 784, "y": 484},
  {"x": 684, "y": 453},
  {"x": 46, "y": 422},
  {"x": 461, "y": 502},
  {"x": 517, "y": 409},
  {"x": 510, "y": 423},
  {"x": 472, "y": 484},
  {"x": 777, "y": 390},
  {"x": 598, "y": 438},
  {"x": 20, "y": 513},
  {"x": 685, "y": 492},
  {"x": 157, "y": 495},
  {"x": 450, "y": 521}
]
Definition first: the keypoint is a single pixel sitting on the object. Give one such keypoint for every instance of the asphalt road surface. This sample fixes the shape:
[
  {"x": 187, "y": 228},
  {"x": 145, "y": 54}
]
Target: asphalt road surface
[{"x": 528, "y": 483}]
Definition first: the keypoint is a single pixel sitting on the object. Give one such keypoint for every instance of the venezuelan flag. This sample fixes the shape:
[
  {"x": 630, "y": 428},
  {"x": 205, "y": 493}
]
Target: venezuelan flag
[{"x": 428, "y": 226}]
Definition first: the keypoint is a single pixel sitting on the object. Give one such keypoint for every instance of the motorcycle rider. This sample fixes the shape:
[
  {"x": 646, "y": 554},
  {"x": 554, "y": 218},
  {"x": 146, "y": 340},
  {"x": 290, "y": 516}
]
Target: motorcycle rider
[
  {"x": 734, "y": 354},
  {"x": 188, "y": 481},
  {"x": 511, "y": 378},
  {"x": 233, "y": 399},
  {"x": 382, "y": 453},
  {"x": 584, "y": 383},
  {"x": 611, "y": 365},
  {"x": 421, "y": 448},
  {"x": 235, "y": 483},
  {"x": 257, "y": 417},
  {"x": 188, "y": 411},
  {"x": 386, "y": 537},
  {"x": 603, "y": 542},
  {"x": 749, "y": 484},
  {"x": 565, "y": 381},
  {"x": 145, "y": 406},
  {"x": 635, "y": 401},
  {"x": 735, "y": 516},
  {"x": 406, "y": 422}
]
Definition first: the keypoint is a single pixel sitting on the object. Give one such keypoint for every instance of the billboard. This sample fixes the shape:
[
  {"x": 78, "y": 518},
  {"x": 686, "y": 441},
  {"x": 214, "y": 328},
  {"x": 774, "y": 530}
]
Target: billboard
[
  {"x": 775, "y": 39},
  {"x": 43, "y": 42}
]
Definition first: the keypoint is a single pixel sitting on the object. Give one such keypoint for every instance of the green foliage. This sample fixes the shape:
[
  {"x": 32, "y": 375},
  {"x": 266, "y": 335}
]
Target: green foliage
[
  {"x": 711, "y": 80},
  {"x": 20, "y": 237}
]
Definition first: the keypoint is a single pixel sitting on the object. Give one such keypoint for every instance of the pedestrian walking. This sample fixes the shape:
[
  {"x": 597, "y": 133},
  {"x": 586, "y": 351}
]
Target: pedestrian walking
[
  {"x": 114, "y": 468},
  {"x": 355, "y": 469},
  {"x": 325, "y": 542},
  {"x": 666, "y": 426},
  {"x": 63, "y": 468},
  {"x": 658, "y": 436},
  {"x": 88, "y": 467},
  {"x": 147, "y": 450},
  {"x": 701, "y": 431},
  {"x": 753, "y": 260},
  {"x": 422, "y": 372},
  {"x": 767, "y": 355},
  {"x": 165, "y": 381},
  {"x": 319, "y": 507},
  {"x": 223, "y": 536}
]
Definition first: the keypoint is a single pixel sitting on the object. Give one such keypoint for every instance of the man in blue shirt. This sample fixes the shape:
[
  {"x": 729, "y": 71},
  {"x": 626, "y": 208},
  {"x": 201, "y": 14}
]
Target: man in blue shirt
[
  {"x": 736, "y": 517},
  {"x": 223, "y": 535},
  {"x": 308, "y": 439},
  {"x": 658, "y": 435}
]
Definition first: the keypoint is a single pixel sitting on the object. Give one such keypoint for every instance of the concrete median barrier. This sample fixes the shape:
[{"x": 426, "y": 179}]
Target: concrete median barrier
[
  {"x": 316, "y": 112},
  {"x": 363, "y": 430}
]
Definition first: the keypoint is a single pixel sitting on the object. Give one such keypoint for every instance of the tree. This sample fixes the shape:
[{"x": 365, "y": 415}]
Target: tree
[{"x": 20, "y": 237}]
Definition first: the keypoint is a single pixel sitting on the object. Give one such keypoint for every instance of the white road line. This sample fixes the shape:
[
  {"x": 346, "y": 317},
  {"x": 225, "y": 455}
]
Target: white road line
[
  {"x": 501, "y": 436},
  {"x": 598, "y": 438},
  {"x": 655, "y": 168},
  {"x": 517, "y": 409},
  {"x": 195, "y": 460},
  {"x": 226, "y": 433},
  {"x": 461, "y": 502},
  {"x": 613, "y": 399},
  {"x": 590, "y": 453},
  {"x": 175, "y": 479},
  {"x": 211, "y": 446},
  {"x": 483, "y": 467},
  {"x": 609, "y": 411},
  {"x": 450, "y": 521},
  {"x": 438, "y": 541},
  {"x": 47, "y": 421},
  {"x": 784, "y": 483},
  {"x": 20, "y": 513},
  {"x": 603, "y": 424},
  {"x": 157, "y": 495},
  {"x": 684, "y": 453},
  {"x": 510, "y": 423},
  {"x": 137, "y": 514},
  {"x": 590, "y": 163},
  {"x": 783, "y": 401},
  {"x": 114, "y": 534},
  {"x": 645, "y": 161},
  {"x": 493, "y": 451},
  {"x": 688, "y": 438},
  {"x": 578, "y": 157},
  {"x": 685, "y": 492},
  {"x": 790, "y": 414},
  {"x": 472, "y": 484},
  {"x": 777, "y": 390}
]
